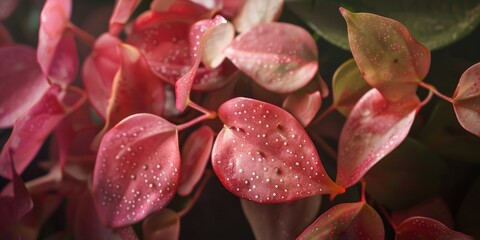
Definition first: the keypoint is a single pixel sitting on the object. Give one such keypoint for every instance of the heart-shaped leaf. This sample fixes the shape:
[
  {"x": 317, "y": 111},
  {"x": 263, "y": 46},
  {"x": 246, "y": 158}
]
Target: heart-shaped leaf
[
  {"x": 31, "y": 130},
  {"x": 195, "y": 154},
  {"x": 281, "y": 220},
  {"x": 434, "y": 208},
  {"x": 466, "y": 100},
  {"x": 346, "y": 221},
  {"x": 200, "y": 33},
  {"x": 22, "y": 84},
  {"x": 348, "y": 87},
  {"x": 253, "y": 13},
  {"x": 162, "y": 225},
  {"x": 434, "y": 25},
  {"x": 412, "y": 169},
  {"x": 417, "y": 228},
  {"x": 134, "y": 176},
  {"x": 264, "y": 155},
  {"x": 374, "y": 128},
  {"x": 303, "y": 105},
  {"x": 389, "y": 57},
  {"x": 99, "y": 70},
  {"x": 56, "y": 52},
  {"x": 121, "y": 14},
  {"x": 135, "y": 89},
  {"x": 281, "y": 57}
]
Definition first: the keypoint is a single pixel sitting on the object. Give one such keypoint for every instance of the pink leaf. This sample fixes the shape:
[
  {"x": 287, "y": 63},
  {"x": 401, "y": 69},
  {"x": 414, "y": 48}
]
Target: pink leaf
[
  {"x": 303, "y": 105},
  {"x": 195, "y": 154},
  {"x": 466, "y": 100},
  {"x": 254, "y": 12},
  {"x": 22, "y": 85},
  {"x": 422, "y": 228},
  {"x": 99, "y": 70},
  {"x": 280, "y": 57},
  {"x": 56, "y": 52},
  {"x": 434, "y": 208},
  {"x": 136, "y": 172},
  {"x": 161, "y": 5},
  {"x": 200, "y": 32},
  {"x": 264, "y": 155},
  {"x": 31, "y": 130},
  {"x": 135, "y": 89},
  {"x": 389, "y": 57},
  {"x": 220, "y": 37},
  {"x": 374, "y": 128},
  {"x": 283, "y": 220},
  {"x": 121, "y": 14},
  {"x": 163, "y": 225},
  {"x": 347, "y": 221},
  {"x": 231, "y": 7}
]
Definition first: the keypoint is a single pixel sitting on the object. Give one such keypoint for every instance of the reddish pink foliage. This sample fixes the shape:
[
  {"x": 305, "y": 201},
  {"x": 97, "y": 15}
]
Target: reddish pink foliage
[
  {"x": 280, "y": 57},
  {"x": 31, "y": 130},
  {"x": 99, "y": 70},
  {"x": 133, "y": 176},
  {"x": 195, "y": 154},
  {"x": 231, "y": 7},
  {"x": 373, "y": 129},
  {"x": 121, "y": 14},
  {"x": 466, "y": 100},
  {"x": 422, "y": 228},
  {"x": 347, "y": 221},
  {"x": 264, "y": 155},
  {"x": 254, "y": 12},
  {"x": 303, "y": 105},
  {"x": 22, "y": 85}
]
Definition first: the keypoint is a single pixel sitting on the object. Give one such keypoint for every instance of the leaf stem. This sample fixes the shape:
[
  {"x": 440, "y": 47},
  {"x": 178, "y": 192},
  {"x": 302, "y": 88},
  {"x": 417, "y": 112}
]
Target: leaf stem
[
  {"x": 427, "y": 99},
  {"x": 435, "y": 91},
  {"x": 192, "y": 122},
  {"x": 82, "y": 34},
  {"x": 387, "y": 216},
  {"x": 196, "y": 196},
  {"x": 363, "y": 186},
  {"x": 210, "y": 114},
  {"x": 80, "y": 101},
  {"x": 322, "y": 116}
]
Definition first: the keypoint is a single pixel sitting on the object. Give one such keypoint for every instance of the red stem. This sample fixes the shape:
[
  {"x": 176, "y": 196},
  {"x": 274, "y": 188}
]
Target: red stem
[
  {"x": 363, "y": 187},
  {"x": 387, "y": 216},
  {"x": 199, "y": 191},
  {"x": 435, "y": 91},
  {"x": 322, "y": 116},
  {"x": 427, "y": 99},
  {"x": 80, "y": 33},
  {"x": 210, "y": 114},
  {"x": 192, "y": 122}
]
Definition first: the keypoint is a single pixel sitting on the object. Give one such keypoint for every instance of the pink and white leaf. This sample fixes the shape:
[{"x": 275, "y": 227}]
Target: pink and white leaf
[
  {"x": 264, "y": 155},
  {"x": 195, "y": 155},
  {"x": 31, "y": 130},
  {"x": 389, "y": 57},
  {"x": 346, "y": 221},
  {"x": 99, "y": 70},
  {"x": 466, "y": 100},
  {"x": 303, "y": 105},
  {"x": 281, "y": 57},
  {"x": 22, "y": 85},
  {"x": 373, "y": 129},
  {"x": 220, "y": 37},
  {"x": 416, "y": 228},
  {"x": 254, "y": 12},
  {"x": 133, "y": 175},
  {"x": 121, "y": 14}
]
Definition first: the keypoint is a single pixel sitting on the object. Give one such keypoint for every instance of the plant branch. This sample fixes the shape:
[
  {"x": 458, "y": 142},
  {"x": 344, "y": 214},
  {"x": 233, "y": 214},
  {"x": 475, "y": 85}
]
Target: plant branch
[
  {"x": 427, "y": 99},
  {"x": 81, "y": 34},
  {"x": 363, "y": 186},
  {"x": 192, "y": 122},
  {"x": 322, "y": 116},
  {"x": 435, "y": 91},
  {"x": 210, "y": 114},
  {"x": 197, "y": 194}
]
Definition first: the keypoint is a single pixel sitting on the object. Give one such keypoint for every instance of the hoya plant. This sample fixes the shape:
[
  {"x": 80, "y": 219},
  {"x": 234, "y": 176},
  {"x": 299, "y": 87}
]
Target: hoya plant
[{"x": 239, "y": 119}]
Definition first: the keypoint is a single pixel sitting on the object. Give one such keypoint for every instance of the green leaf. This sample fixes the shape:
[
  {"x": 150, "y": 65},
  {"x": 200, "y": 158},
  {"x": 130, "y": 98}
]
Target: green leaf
[
  {"x": 434, "y": 23},
  {"x": 412, "y": 170}
]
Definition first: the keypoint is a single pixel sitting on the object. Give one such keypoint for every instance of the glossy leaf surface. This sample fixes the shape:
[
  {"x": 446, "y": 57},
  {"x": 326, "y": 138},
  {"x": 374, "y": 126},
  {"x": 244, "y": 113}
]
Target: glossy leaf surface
[
  {"x": 280, "y": 57},
  {"x": 133, "y": 176},
  {"x": 22, "y": 82},
  {"x": 195, "y": 155},
  {"x": 99, "y": 70},
  {"x": 31, "y": 130},
  {"x": 281, "y": 220},
  {"x": 435, "y": 25},
  {"x": 348, "y": 87},
  {"x": 346, "y": 221},
  {"x": 162, "y": 225},
  {"x": 121, "y": 14},
  {"x": 264, "y": 155},
  {"x": 388, "y": 56},
  {"x": 412, "y": 169},
  {"x": 466, "y": 100},
  {"x": 253, "y": 13},
  {"x": 417, "y": 228},
  {"x": 303, "y": 105},
  {"x": 374, "y": 128}
]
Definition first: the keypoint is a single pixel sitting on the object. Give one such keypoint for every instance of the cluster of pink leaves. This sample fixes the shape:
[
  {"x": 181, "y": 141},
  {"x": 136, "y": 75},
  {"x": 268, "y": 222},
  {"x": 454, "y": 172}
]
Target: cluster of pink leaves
[{"x": 130, "y": 169}]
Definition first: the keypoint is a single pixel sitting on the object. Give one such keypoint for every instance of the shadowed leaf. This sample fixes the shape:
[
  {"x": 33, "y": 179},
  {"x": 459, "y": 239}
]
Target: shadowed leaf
[
  {"x": 303, "y": 105},
  {"x": 422, "y": 228}
]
